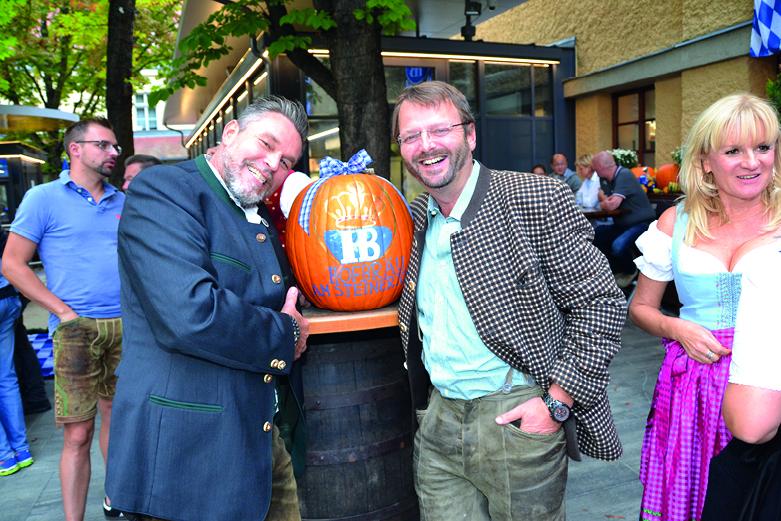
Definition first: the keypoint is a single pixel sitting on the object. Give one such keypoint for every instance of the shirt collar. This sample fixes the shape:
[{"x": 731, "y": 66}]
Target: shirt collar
[
  {"x": 65, "y": 179},
  {"x": 463, "y": 199}
]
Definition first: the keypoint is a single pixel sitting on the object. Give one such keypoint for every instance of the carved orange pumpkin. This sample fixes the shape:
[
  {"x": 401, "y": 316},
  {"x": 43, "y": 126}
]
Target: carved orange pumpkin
[
  {"x": 352, "y": 251},
  {"x": 667, "y": 174}
]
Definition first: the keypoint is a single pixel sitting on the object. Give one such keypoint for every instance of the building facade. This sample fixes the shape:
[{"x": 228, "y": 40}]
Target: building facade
[
  {"x": 643, "y": 70},
  {"x": 151, "y": 135},
  {"x": 515, "y": 92}
]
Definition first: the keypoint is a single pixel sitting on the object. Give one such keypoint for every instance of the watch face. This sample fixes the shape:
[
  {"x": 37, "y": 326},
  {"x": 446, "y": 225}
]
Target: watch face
[{"x": 561, "y": 413}]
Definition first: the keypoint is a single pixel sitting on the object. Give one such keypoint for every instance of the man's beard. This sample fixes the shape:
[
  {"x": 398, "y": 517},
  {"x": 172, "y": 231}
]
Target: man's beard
[
  {"x": 104, "y": 171},
  {"x": 457, "y": 160},
  {"x": 243, "y": 187}
]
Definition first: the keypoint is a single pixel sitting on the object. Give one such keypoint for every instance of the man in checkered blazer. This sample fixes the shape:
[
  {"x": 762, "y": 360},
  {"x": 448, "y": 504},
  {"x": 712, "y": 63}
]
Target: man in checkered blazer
[{"x": 509, "y": 319}]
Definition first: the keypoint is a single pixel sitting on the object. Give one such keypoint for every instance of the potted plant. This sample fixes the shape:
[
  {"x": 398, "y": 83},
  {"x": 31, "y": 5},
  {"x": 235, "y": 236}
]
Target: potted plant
[{"x": 624, "y": 157}]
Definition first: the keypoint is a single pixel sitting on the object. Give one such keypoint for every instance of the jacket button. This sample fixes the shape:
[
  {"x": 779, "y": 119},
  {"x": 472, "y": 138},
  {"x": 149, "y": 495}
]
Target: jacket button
[
  {"x": 261, "y": 237},
  {"x": 411, "y": 285},
  {"x": 403, "y": 328},
  {"x": 267, "y": 427},
  {"x": 267, "y": 378},
  {"x": 276, "y": 279},
  {"x": 274, "y": 364},
  {"x": 281, "y": 365}
]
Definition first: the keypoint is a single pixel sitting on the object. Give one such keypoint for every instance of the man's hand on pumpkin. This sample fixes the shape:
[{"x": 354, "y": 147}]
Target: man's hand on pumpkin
[{"x": 303, "y": 324}]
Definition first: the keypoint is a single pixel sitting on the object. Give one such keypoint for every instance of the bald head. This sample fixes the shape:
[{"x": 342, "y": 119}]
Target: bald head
[
  {"x": 604, "y": 164},
  {"x": 558, "y": 163}
]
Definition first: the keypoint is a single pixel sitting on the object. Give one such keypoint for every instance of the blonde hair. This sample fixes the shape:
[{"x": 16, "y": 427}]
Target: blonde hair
[
  {"x": 584, "y": 160},
  {"x": 750, "y": 119}
]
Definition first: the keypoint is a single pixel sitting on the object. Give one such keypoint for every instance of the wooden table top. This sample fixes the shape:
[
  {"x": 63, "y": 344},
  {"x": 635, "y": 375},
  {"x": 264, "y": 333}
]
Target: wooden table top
[
  {"x": 599, "y": 213},
  {"x": 322, "y": 321}
]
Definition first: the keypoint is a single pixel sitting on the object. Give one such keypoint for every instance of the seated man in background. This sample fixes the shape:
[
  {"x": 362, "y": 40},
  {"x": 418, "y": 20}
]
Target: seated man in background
[
  {"x": 624, "y": 193},
  {"x": 560, "y": 170}
]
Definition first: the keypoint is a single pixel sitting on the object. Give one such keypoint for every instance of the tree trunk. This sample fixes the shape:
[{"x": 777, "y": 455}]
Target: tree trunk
[
  {"x": 119, "y": 68},
  {"x": 356, "y": 64}
]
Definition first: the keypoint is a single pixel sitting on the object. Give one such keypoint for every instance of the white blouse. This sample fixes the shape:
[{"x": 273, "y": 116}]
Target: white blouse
[
  {"x": 756, "y": 350},
  {"x": 656, "y": 261}
]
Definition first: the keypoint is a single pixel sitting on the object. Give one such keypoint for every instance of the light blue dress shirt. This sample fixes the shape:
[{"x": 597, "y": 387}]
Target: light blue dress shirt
[{"x": 458, "y": 362}]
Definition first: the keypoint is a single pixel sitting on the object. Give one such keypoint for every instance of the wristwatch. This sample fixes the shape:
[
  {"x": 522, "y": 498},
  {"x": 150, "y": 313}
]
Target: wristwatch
[
  {"x": 559, "y": 411},
  {"x": 296, "y": 330}
]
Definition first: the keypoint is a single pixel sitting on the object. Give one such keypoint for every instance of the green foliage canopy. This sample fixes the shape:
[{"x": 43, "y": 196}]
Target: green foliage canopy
[
  {"x": 53, "y": 54},
  {"x": 55, "y": 50},
  {"x": 288, "y": 30}
]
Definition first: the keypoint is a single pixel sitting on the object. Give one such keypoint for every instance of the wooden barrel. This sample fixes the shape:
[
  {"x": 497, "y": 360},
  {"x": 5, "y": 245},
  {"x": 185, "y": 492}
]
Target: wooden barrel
[{"x": 359, "y": 424}]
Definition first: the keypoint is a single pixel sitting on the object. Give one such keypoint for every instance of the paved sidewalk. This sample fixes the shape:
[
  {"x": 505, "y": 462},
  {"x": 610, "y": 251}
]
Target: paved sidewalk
[{"x": 596, "y": 490}]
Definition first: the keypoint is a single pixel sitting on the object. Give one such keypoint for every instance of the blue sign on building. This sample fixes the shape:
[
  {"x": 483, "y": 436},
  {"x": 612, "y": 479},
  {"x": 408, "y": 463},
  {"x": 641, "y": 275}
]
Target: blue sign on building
[
  {"x": 416, "y": 75},
  {"x": 4, "y": 172}
]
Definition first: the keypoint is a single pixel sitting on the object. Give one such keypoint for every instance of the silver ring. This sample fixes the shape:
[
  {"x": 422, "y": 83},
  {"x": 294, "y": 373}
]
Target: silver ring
[{"x": 711, "y": 355}]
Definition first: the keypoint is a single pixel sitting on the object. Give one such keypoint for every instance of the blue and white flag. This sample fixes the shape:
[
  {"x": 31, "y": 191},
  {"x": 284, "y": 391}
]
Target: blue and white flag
[{"x": 766, "y": 33}]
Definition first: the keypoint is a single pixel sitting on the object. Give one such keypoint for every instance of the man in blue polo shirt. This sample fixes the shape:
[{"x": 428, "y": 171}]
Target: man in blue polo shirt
[{"x": 73, "y": 222}]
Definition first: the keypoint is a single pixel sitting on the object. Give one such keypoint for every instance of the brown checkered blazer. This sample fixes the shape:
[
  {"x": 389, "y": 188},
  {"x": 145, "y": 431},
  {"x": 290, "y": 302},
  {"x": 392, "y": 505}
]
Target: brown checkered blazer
[{"x": 541, "y": 296}]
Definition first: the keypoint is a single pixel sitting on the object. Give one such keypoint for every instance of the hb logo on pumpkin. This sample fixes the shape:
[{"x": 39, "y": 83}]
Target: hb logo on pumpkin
[{"x": 358, "y": 245}]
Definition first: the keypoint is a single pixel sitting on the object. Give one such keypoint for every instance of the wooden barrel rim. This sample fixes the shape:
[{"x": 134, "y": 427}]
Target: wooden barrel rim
[{"x": 362, "y": 453}]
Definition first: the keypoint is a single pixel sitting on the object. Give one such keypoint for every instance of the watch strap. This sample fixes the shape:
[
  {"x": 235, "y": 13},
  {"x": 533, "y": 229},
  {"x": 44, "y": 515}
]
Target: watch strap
[{"x": 296, "y": 329}]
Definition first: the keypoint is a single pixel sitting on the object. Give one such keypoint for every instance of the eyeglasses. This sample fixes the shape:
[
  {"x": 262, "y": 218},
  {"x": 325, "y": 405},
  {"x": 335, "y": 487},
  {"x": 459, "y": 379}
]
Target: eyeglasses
[
  {"x": 104, "y": 145},
  {"x": 409, "y": 139}
]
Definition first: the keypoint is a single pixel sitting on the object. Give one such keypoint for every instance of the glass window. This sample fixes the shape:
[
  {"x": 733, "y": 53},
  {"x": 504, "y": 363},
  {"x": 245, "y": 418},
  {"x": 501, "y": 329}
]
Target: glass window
[
  {"x": 242, "y": 102},
  {"x": 650, "y": 104},
  {"x": 140, "y": 118},
  {"x": 543, "y": 91},
  {"x": 260, "y": 86},
  {"x": 399, "y": 78},
  {"x": 152, "y": 118},
  {"x": 218, "y": 128},
  {"x": 509, "y": 143},
  {"x": 5, "y": 214},
  {"x": 508, "y": 89},
  {"x": 650, "y": 135},
  {"x": 628, "y": 108},
  {"x": 628, "y": 136},
  {"x": 212, "y": 135},
  {"x": 462, "y": 76},
  {"x": 318, "y": 102},
  {"x": 650, "y": 159},
  {"x": 543, "y": 138},
  {"x": 635, "y": 127},
  {"x": 229, "y": 112},
  {"x": 323, "y": 141}
]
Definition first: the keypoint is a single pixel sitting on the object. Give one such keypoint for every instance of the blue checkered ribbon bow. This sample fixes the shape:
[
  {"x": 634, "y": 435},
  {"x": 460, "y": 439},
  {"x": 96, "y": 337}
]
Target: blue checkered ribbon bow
[
  {"x": 766, "y": 31},
  {"x": 357, "y": 164},
  {"x": 330, "y": 167}
]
